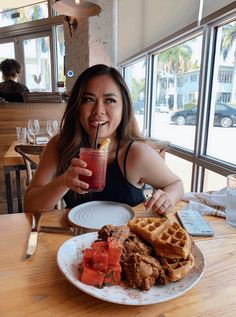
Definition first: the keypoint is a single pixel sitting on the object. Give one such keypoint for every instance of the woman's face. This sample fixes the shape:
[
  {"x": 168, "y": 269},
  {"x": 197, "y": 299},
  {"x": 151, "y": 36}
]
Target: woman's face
[{"x": 101, "y": 103}]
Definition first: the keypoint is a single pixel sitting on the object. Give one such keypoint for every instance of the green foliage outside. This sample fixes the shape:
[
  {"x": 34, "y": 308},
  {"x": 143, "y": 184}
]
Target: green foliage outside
[{"x": 137, "y": 88}]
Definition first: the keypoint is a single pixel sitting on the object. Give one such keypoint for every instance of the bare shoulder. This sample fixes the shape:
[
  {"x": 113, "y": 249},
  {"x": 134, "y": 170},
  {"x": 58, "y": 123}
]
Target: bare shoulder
[
  {"x": 142, "y": 150},
  {"x": 138, "y": 155}
]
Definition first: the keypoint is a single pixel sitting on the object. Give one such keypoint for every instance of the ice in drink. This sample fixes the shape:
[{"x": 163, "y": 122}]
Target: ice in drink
[{"x": 97, "y": 163}]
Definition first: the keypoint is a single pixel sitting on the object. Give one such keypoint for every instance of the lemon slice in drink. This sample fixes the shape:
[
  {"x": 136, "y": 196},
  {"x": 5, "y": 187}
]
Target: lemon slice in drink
[{"x": 104, "y": 145}]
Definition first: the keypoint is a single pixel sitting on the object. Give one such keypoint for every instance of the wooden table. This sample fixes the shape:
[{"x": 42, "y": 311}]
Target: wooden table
[
  {"x": 13, "y": 162},
  {"x": 36, "y": 287}
]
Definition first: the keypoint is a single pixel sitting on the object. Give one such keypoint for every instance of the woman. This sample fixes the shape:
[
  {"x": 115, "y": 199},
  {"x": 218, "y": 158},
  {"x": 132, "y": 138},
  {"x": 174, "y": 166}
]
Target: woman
[
  {"x": 10, "y": 90},
  {"x": 100, "y": 96}
]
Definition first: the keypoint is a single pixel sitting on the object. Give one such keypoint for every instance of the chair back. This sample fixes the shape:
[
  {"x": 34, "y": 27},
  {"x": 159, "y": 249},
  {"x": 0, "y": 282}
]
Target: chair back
[{"x": 26, "y": 151}]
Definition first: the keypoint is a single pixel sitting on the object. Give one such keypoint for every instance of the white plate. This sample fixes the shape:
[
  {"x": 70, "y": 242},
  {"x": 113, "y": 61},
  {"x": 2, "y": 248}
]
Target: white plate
[
  {"x": 96, "y": 214},
  {"x": 70, "y": 254}
]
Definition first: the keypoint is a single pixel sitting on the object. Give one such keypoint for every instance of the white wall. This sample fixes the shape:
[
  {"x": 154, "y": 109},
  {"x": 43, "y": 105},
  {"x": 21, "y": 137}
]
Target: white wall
[{"x": 142, "y": 23}]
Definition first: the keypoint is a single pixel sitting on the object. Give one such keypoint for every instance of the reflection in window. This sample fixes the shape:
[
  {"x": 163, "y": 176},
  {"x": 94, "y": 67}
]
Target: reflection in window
[
  {"x": 135, "y": 79},
  {"x": 222, "y": 126},
  {"x": 175, "y": 93},
  {"x": 24, "y": 14}
]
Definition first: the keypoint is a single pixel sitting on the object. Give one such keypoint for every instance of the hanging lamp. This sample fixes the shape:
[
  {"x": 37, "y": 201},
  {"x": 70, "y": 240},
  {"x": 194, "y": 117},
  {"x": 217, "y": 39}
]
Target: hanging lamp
[{"x": 77, "y": 8}]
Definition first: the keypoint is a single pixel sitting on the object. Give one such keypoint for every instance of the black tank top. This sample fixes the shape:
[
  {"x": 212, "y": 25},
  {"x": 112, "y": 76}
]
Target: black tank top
[{"x": 117, "y": 188}]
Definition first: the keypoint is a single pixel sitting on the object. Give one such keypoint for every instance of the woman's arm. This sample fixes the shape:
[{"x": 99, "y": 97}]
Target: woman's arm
[
  {"x": 144, "y": 165},
  {"x": 45, "y": 189}
]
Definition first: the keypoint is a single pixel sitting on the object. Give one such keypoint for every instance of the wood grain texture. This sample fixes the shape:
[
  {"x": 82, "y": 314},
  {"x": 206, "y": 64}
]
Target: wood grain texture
[
  {"x": 18, "y": 114},
  {"x": 36, "y": 287}
]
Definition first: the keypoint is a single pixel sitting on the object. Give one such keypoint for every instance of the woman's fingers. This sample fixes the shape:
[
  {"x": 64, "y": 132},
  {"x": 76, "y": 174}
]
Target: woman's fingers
[
  {"x": 159, "y": 202},
  {"x": 77, "y": 168}
]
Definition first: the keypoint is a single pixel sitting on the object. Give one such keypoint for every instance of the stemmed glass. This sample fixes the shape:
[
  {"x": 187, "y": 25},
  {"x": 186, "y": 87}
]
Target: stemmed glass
[
  {"x": 33, "y": 128},
  {"x": 52, "y": 127}
]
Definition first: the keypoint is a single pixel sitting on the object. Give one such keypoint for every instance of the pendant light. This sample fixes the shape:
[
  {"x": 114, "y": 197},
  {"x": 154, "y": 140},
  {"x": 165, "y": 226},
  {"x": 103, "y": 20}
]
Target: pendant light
[{"x": 77, "y": 8}]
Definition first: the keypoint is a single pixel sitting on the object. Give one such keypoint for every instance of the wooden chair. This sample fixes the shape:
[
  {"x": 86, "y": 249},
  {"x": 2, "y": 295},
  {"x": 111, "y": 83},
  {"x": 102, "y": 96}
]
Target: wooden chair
[{"x": 27, "y": 151}]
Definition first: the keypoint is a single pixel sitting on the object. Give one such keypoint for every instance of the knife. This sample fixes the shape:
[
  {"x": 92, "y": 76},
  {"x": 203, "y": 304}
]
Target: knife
[
  {"x": 32, "y": 242},
  {"x": 75, "y": 231}
]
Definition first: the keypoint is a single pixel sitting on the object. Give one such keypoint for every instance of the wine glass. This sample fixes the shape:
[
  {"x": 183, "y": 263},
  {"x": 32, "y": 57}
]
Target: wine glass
[
  {"x": 52, "y": 127},
  {"x": 33, "y": 128}
]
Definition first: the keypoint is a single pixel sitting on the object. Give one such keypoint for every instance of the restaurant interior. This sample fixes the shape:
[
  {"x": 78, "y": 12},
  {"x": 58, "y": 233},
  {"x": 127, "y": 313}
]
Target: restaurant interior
[
  {"x": 178, "y": 59},
  {"x": 54, "y": 47}
]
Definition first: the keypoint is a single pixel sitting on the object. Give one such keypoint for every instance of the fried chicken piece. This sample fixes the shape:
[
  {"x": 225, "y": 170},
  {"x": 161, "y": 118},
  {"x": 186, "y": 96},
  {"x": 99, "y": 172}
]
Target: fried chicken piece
[
  {"x": 135, "y": 245},
  {"x": 121, "y": 233},
  {"x": 142, "y": 271}
]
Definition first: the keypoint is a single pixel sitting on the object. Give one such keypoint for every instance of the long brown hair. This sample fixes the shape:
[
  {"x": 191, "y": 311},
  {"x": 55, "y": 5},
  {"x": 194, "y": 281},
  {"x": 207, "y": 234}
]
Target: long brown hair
[{"x": 73, "y": 136}]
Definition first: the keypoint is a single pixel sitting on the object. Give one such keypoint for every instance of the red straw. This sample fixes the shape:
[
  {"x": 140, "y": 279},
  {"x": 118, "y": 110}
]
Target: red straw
[{"x": 96, "y": 138}]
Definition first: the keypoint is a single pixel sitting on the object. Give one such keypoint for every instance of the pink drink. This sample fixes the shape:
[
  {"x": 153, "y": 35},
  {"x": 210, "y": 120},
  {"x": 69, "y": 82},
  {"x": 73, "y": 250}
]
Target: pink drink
[{"x": 97, "y": 163}]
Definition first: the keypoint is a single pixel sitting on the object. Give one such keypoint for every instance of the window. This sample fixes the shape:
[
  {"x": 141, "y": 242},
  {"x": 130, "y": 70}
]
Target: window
[
  {"x": 182, "y": 168},
  {"x": 6, "y": 51},
  {"x": 191, "y": 100},
  {"x": 24, "y": 14},
  {"x": 222, "y": 125},
  {"x": 172, "y": 105},
  {"x": 37, "y": 50},
  {"x": 225, "y": 77},
  {"x": 37, "y": 63},
  {"x": 60, "y": 51},
  {"x": 134, "y": 75}
]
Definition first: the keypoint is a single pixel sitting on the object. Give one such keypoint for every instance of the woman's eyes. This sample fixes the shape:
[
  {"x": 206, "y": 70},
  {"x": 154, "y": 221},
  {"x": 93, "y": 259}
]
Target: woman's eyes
[
  {"x": 110, "y": 100},
  {"x": 88, "y": 100},
  {"x": 91, "y": 100}
]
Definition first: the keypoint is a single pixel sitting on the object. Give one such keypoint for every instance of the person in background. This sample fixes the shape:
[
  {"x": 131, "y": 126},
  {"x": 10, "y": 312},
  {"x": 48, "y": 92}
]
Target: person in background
[
  {"x": 10, "y": 90},
  {"x": 100, "y": 96}
]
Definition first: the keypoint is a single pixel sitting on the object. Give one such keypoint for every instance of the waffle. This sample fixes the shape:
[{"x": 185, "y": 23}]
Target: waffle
[
  {"x": 168, "y": 239},
  {"x": 177, "y": 269}
]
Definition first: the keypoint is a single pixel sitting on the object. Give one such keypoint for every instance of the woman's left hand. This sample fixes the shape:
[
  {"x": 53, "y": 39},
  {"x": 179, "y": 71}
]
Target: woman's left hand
[{"x": 159, "y": 202}]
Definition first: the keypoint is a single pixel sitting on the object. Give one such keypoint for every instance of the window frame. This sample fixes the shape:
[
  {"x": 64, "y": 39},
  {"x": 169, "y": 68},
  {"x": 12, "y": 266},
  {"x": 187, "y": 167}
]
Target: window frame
[
  {"x": 38, "y": 28},
  {"x": 208, "y": 29}
]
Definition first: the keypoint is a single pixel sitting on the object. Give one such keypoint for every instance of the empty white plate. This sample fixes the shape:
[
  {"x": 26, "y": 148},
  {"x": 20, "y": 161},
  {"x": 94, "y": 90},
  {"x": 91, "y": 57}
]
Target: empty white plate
[{"x": 96, "y": 214}]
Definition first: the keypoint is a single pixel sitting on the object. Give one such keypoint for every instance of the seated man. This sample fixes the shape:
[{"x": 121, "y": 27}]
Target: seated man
[{"x": 10, "y": 90}]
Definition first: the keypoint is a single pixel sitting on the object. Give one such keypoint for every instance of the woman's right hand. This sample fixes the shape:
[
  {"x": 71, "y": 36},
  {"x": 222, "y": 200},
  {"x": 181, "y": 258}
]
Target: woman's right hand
[{"x": 76, "y": 168}]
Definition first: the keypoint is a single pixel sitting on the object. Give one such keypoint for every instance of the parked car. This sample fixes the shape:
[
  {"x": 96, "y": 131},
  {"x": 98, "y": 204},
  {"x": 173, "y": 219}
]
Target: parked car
[
  {"x": 138, "y": 107},
  {"x": 225, "y": 116}
]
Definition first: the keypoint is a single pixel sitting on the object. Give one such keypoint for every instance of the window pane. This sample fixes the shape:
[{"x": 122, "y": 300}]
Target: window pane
[
  {"x": 175, "y": 89},
  {"x": 24, "y": 14},
  {"x": 60, "y": 51},
  {"x": 213, "y": 181},
  {"x": 182, "y": 168},
  {"x": 37, "y": 64},
  {"x": 222, "y": 125},
  {"x": 135, "y": 80},
  {"x": 7, "y": 50}
]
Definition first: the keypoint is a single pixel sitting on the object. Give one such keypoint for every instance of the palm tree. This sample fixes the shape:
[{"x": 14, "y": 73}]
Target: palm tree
[
  {"x": 228, "y": 38},
  {"x": 176, "y": 61}
]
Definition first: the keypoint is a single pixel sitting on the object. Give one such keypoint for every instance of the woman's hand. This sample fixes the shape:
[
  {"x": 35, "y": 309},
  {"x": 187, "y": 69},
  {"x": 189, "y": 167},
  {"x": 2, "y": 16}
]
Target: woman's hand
[
  {"x": 76, "y": 168},
  {"x": 159, "y": 202}
]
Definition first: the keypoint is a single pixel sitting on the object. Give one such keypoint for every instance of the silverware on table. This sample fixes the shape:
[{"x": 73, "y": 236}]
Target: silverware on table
[
  {"x": 33, "y": 238},
  {"x": 75, "y": 231}
]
